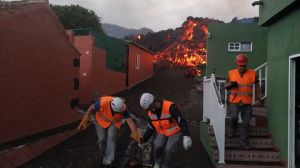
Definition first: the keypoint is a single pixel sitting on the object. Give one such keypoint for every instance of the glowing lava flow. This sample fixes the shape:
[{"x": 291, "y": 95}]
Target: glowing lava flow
[{"x": 188, "y": 50}]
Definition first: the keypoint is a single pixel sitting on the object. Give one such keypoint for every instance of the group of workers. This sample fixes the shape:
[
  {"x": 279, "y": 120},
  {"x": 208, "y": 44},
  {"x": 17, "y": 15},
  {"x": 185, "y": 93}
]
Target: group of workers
[{"x": 166, "y": 119}]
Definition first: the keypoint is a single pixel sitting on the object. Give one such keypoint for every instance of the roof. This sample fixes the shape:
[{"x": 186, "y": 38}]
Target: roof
[{"x": 90, "y": 31}]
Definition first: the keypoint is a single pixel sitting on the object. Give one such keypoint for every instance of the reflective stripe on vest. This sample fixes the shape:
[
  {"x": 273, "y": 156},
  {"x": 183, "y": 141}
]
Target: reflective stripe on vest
[
  {"x": 104, "y": 116},
  {"x": 108, "y": 120},
  {"x": 243, "y": 93},
  {"x": 153, "y": 116},
  {"x": 173, "y": 128},
  {"x": 164, "y": 116},
  {"x": 245, "y": 85},
  {"x": 165, "y": 125}
]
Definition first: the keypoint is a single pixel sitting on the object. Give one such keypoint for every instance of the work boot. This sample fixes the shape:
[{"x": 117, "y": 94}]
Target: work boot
[
  {"x": 106, "y": 162},
  {"x": 245, "y": 145}
]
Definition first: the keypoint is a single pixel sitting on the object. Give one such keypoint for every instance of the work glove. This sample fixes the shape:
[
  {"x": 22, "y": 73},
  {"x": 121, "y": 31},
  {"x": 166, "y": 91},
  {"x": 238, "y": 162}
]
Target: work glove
[
  {"x": 135, "y": 136},
  {"x": 234, "y": 84},
  {"x": 187, "y": 142},
  {"x": 84, "y": 122},
  {"x": 231, "y": 85}
]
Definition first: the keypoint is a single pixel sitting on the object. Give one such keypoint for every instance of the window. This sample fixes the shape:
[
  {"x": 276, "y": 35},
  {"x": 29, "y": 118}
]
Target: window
[
  {"x": 74, "y": 103},
  {"x": 234, "y": 46},
  {"x": 76, "y": 62},
  {"x": 240, "y": 46},
  {"x": 246, "y": 46},
  {"x": 137, "y": 61}
]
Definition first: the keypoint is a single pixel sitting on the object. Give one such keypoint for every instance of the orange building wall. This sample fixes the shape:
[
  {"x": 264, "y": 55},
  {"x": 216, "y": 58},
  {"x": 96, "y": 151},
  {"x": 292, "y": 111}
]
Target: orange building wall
[
  {"x": 146, "y": 65},
  {"x": 97, "y": 78},
  {"x": 105, "y": 81},
  {"x": 36, "y": 72},
  {"x": 85, "y": 45}
]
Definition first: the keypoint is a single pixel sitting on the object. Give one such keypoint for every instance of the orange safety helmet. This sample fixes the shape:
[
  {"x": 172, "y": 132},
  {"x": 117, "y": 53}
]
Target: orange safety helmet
[{"x": 241, "y": 60}]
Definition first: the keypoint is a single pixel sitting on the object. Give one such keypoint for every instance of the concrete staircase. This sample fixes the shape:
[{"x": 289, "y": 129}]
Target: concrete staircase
[{"x": 261, "y": 155}]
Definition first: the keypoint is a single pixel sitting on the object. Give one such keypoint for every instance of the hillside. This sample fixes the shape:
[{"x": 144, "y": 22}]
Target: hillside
[
  {"x": 121, "y": 32},
  {"x": 184, "y": 46}
]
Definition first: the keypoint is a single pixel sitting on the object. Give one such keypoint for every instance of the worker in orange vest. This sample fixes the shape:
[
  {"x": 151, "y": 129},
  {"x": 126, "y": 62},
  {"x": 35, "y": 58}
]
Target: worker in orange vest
[
  {"x": 166, "y": 119},
  {"x": 109, "y": 114},
  {"x": 240, "y": 85}
]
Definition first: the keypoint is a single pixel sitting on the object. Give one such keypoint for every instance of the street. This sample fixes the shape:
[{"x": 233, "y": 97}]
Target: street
[{"x": 81, "y": 150}]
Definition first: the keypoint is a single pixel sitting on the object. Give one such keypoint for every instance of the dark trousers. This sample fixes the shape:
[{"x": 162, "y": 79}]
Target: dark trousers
[
  {"x": 166, "y": 146},
  {"x": 246, "y": 114}
]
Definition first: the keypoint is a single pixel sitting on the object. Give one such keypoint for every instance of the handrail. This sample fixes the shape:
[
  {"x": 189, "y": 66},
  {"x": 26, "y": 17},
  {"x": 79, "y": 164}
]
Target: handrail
[
  {"x": 262, "y": 74},
  {"x": 261, "y": 66},
  {"x": 214, "y": 110}
]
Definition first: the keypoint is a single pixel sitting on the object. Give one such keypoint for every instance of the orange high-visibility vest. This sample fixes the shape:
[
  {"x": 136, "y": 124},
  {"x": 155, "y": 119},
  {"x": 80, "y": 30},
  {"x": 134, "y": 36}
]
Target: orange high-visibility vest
[
  {"x": 104, "y": 116},
  {"x": 243, "y": 93},
  {"x": 165, "y": 125}
]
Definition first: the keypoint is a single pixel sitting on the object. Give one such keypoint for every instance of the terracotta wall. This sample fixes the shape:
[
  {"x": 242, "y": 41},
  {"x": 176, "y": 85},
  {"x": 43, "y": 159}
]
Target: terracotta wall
[
  {"x": 95, "y": 78},
  {"x": 85, "y": 45},
  {"x": 145, "y": 71},
  {"x": 105, "y": 81},
  {"x": 36, "y": 72}
]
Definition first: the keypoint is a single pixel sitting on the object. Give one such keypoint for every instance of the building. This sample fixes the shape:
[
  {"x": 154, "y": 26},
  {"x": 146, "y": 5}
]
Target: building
[
  {"x": 226, "y": 40},
  {"x": 275, "y": 127},
  {"x": 109, "y": 65},
  {"x": 140, "y": 64},
  {"x": 39, "y": 81},
  {"x": 283, "y": 51},
  {"x": 95, "y": 77}
]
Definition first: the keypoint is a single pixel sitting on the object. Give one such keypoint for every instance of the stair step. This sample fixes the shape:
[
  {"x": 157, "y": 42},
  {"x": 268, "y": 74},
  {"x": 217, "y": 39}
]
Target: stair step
[
  {"x": 254, "y": 142},
  {"x": 236, "y": 164},
  {"x": 254, "y": 131},
  {"x": 258, "y": 121},
  {"x": 253, "y": 155},
  {"x": 260, "y": 111}
]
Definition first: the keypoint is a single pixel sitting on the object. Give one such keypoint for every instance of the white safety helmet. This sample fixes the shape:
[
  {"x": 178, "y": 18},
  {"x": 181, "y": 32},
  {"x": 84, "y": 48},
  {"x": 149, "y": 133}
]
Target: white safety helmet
[
  {"x": 117, "y": 104},
  {"x": 146, "y": 100}
]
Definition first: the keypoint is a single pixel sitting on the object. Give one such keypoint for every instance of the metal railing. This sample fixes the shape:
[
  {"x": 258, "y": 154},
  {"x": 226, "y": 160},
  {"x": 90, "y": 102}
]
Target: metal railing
[
  {"x": 262, "y": 74},
  {"x": 215, "y": 104}
]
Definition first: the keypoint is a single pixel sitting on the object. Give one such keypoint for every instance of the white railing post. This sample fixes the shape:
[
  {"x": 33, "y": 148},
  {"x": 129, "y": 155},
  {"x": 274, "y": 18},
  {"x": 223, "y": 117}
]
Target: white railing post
[
  {"x": 261, "y": 78},
  {"x": 205, "y": 94},
  {"x": 214, "y": 110},
  {"x": 213, "y": 79}
]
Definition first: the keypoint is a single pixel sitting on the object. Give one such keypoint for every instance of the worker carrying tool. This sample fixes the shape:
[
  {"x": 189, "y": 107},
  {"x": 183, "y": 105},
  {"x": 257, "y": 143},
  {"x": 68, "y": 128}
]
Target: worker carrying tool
[
  {"x": 166, "y": 119},
  {"x": 109, "y": 114},
  {"x": 240, "y": 86}
]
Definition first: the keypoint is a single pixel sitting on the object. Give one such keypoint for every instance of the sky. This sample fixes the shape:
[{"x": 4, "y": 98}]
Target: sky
[{"x": 163, "y": 14}]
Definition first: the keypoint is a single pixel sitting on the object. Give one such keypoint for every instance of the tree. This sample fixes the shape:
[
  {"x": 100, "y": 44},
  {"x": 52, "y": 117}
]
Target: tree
[{"x": 76, "y": 17}]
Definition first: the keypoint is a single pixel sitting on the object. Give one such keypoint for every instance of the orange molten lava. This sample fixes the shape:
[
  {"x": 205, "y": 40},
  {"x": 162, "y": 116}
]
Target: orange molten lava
[{"x": 187, "y": 50}]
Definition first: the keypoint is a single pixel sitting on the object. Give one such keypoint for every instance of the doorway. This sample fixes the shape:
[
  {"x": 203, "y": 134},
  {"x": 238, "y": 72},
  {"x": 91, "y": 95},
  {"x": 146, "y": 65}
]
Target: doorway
[{"x": 294, "y": 111}]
